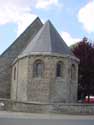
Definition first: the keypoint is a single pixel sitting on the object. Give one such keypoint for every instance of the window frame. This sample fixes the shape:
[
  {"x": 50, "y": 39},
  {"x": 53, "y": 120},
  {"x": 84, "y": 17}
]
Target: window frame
[
  {"x": 38, "y": 68},
  {"x": 59, "y": 69},
  {"x": 73, "y": 72},
  {"x": 14, "y": 73}
]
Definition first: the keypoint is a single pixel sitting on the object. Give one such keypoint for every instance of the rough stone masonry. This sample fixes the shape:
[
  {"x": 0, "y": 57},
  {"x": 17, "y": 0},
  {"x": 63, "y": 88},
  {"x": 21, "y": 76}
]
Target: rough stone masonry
[{"x": 38, "y": 69}]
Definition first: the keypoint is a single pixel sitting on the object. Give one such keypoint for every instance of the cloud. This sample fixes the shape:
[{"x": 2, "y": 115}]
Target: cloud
[
  {"x": 20, "y": 11},
  {"x": 86, "y": 16},
  {"x": 43, "y": 4},
  {"x": 16, "y": 11},
  {"x": 69, "y": 39}
]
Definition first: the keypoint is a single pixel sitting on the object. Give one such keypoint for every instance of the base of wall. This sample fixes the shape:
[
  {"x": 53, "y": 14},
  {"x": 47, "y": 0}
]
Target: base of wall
[{"x": 31, "y": 107}]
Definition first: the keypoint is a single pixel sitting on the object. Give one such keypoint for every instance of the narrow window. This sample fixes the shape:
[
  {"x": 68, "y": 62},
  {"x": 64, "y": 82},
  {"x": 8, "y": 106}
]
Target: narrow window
[
  {"x": 15, "y": 73},
  {"x": 73, "y": 72},
  {"x": 59, "y": 69},
  {"x": 38, "y": 68}
]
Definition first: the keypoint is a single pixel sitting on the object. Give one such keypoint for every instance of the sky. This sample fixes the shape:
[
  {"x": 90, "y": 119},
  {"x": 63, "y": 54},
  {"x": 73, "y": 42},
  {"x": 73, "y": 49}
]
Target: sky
[{"x": 73, "y": 19}]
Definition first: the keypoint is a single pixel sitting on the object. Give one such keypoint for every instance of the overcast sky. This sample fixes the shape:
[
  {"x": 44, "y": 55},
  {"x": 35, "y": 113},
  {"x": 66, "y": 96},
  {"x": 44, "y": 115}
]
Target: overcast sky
[{"x": 73, "y": 19}]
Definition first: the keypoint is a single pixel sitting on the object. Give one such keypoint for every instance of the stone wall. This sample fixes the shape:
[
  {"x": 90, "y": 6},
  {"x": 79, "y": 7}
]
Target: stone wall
[
  {"x": 38, "y": 88},
  {"x": 7, "y": 58},
  {"x": 14, "y": 86},
  {"x": 49, "y": 88},
  {"x": 62, "y": 108},
  {"x": 19, "y": 84}
]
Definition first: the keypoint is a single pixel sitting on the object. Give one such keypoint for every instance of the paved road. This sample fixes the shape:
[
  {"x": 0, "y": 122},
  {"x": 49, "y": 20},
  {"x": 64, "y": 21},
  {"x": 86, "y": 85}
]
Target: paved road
[
  {"x": 44, "y": 119},
  {"x": 5, "y": 121}
]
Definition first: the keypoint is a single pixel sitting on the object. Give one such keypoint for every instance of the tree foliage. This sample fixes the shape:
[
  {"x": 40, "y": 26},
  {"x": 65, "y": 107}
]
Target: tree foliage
[{"x": 85, "y": 52}]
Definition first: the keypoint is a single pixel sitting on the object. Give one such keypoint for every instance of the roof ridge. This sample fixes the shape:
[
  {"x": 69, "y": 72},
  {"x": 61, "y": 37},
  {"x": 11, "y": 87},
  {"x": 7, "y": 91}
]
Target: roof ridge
[
  {"x": 47, "y": 40},
  {"x": 50, "y": 35},
  {"x": 19, "y": 37}
]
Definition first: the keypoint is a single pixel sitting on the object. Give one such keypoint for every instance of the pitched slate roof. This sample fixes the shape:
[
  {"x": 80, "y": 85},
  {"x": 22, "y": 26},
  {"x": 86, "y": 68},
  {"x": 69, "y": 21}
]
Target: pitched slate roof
[
  {"x": 23, "y": 40},
  {"x": 47, "y": 40},
  {"x": 11, "y": 53}
]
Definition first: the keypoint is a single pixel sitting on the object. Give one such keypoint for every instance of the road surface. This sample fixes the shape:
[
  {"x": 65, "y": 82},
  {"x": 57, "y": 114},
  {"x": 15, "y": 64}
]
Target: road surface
[{"x": 44, "y": 119}]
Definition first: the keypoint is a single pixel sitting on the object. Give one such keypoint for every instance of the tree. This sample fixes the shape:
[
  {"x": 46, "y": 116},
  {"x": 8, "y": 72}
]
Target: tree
[{"x": 85, "y": 52}]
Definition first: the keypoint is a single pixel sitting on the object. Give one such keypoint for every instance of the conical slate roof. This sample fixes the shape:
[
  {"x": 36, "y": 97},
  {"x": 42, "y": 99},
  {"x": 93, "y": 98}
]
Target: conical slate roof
[{"x": 47, "y": 40}]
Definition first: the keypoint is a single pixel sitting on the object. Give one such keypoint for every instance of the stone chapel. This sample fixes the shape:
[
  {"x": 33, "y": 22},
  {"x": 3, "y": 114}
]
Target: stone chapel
[{"x": 39, "y": 67}]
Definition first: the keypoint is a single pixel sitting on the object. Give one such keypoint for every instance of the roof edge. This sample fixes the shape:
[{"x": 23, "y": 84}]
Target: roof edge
[
  {"x": 19, "y": 37},
  {"x": 47, "y": 54}
]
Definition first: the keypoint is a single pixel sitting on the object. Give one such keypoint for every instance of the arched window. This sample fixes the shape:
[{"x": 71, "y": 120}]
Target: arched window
[
  {"x": 59, "y": 69},
  {"x": 38, "y": 68},
  {"x": 15, "y": 73},
  {"x": 73, "y": 72}
]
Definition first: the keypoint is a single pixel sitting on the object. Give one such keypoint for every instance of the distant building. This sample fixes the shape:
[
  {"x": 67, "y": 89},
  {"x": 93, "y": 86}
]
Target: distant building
[{"x": 39, "y": 67}]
